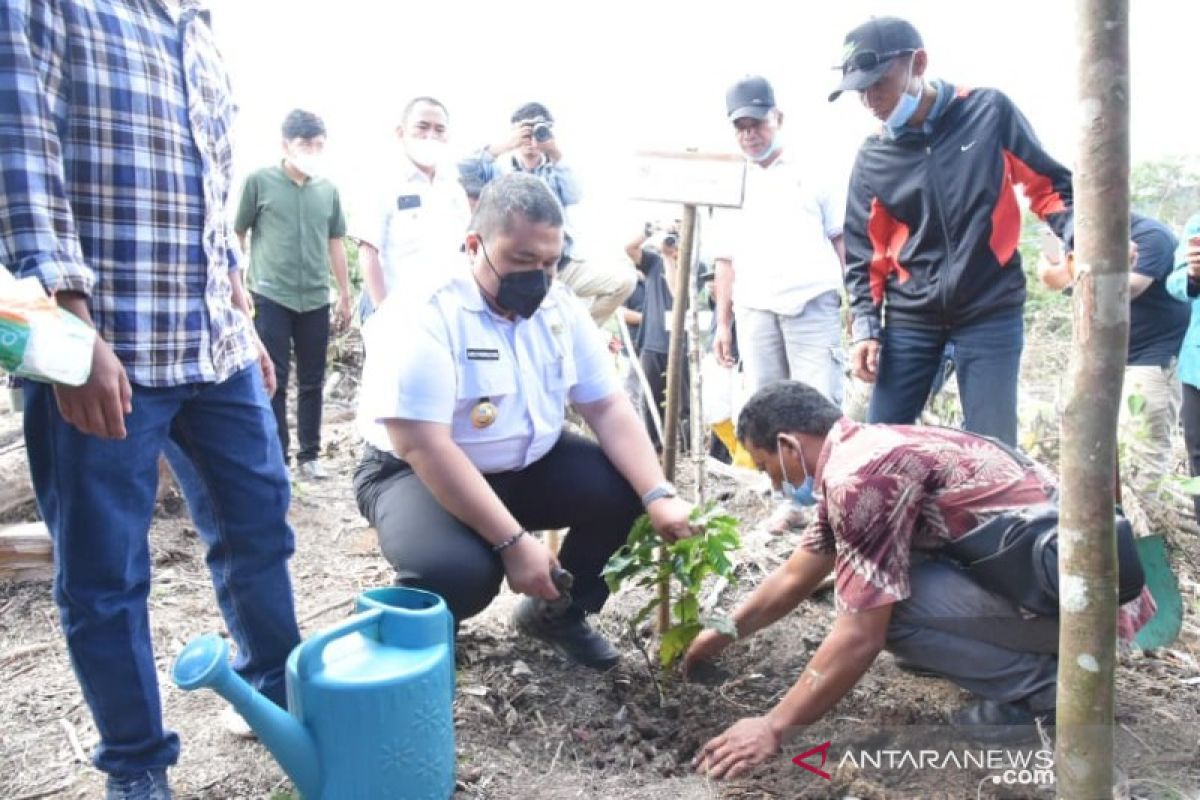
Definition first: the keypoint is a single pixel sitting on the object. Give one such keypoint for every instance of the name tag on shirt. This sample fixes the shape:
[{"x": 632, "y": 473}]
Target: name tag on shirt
[
  {"x": 482, "y": 354},
  {"x": 407, "y": 201}
]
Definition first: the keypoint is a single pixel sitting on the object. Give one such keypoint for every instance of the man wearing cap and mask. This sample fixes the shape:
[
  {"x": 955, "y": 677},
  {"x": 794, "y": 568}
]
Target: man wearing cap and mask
[
  {"x": 466, "y": 452},
  {"x": 932, "y": 227},
  {"x": 410, "y": 235},
  {"x": 779, "y": 266}
]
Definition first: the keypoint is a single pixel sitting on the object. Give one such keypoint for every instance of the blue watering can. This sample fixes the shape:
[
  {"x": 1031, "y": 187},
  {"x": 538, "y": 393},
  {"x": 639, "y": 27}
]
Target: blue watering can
[{"x": 370, "y": 700}]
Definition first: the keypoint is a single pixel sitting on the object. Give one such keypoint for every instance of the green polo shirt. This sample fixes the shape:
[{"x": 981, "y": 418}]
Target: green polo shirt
[{"x": 289, "y": 247}]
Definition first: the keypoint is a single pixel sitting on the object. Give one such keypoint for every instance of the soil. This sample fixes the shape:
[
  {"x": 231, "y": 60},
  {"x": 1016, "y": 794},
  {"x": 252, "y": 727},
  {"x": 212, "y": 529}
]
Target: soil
[{"x": 529, "y": 725}]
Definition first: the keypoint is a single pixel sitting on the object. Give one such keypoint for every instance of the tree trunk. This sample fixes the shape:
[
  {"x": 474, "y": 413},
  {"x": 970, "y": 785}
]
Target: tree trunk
[
  {"x": 675, "y": 357},
  {"x": 1087, "y": 543}
]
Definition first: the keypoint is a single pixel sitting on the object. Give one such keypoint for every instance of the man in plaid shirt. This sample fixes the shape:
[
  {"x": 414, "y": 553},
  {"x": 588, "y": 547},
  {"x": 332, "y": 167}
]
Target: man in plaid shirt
[{"x": 115, "y": 165}]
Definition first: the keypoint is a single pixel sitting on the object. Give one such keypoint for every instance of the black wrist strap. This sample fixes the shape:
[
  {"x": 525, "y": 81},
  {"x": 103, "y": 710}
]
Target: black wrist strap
[{"x": 509, "y": 542}]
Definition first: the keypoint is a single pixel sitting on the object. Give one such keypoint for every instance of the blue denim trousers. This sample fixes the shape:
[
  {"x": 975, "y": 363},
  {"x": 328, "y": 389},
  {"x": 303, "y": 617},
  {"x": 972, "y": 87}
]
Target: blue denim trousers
[
  {"x": 97, "y": 497},
  {"x": 987, "y": 362}
]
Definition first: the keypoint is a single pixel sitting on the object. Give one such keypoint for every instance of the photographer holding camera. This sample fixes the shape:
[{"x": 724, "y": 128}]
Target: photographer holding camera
[{"x": 532, "y": 146}]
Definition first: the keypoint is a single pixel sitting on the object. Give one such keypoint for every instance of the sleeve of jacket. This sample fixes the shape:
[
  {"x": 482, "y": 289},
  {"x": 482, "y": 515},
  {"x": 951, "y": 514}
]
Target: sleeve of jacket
[
  {"x": 37, "y": 224},
  {"x": 247, "y": 211},
  {"x": 1046, "y": 183},
  {"x": 479, "y": 168},
  {"x": 565, "y": 184},
  {"x": 864, "y": 310},
  {"x": 1180, "y": 286}
]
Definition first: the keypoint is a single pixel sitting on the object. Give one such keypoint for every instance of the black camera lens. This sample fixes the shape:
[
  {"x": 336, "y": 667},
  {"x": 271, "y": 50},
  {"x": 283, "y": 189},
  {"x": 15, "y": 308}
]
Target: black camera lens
[{"x": 542, "y": 132}]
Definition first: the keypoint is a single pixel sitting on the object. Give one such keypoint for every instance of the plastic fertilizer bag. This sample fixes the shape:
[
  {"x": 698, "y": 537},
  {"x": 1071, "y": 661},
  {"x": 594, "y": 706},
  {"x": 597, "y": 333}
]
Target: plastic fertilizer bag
[{"x": 39, "y": 340}]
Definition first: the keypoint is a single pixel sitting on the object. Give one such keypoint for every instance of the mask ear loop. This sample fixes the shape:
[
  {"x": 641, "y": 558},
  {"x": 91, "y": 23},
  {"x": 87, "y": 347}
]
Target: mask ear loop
[
  {"x": 800, "y": 449},
  {"x": 921, "y": 81}
]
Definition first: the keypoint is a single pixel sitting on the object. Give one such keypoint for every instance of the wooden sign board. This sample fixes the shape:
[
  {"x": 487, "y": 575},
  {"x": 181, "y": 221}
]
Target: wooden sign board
[{"x": 700, "y": 179}]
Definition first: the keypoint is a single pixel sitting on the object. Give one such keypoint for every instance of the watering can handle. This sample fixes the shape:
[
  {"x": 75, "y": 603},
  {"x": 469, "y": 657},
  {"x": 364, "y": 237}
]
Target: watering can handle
[{"x": 312, "y": 650}]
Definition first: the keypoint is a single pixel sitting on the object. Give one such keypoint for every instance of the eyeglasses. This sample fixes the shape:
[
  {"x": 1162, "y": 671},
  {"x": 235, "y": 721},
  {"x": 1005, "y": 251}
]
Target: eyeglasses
[{"x": 867, "y": 60}]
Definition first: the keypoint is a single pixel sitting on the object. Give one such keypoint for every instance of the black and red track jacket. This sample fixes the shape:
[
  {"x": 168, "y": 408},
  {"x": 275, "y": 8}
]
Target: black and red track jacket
[{"x": 932, "y": 221}]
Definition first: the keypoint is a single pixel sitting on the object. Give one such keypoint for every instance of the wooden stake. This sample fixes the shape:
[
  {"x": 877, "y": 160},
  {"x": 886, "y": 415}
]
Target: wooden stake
[
  {"x": 695, "y": 387},
  {"x": 675, "y": 358}
]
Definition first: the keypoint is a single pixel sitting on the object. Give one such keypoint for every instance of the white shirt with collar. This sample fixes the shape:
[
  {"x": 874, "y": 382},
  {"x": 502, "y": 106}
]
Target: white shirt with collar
[
  {"x": 779, "y": 241},
  {"x": 438, "y": 361},
  {"x": 418, "y": 225}
]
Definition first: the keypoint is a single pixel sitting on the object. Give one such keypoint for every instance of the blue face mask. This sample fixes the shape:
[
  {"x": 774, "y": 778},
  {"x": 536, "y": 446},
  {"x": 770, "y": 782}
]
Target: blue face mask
[
  {"x": 906, "y": 106},
  {"x": 801, "y": 495},
  {"x": 770, "y": 151}
]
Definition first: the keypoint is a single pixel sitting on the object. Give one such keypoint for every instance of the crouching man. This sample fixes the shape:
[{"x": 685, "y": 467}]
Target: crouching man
[
  {"x": 463, "y": 402},
  {"x": 888, "y": 499}
]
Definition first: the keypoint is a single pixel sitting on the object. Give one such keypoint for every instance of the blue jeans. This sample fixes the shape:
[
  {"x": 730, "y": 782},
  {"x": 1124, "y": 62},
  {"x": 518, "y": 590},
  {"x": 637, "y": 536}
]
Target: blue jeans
[
  {"x": 97, "y": 497},
  {"x": 987, "y": 361}
]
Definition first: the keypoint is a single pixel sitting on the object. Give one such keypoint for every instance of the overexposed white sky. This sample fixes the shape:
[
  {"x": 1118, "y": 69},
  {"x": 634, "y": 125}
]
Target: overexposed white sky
[{"x": 622, "y": 75}]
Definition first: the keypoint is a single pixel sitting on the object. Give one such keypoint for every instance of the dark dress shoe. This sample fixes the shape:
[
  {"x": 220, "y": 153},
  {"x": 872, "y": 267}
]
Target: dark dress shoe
[
  {"x": 567, "y": 631},
  {"x": 998, "y": 723}
]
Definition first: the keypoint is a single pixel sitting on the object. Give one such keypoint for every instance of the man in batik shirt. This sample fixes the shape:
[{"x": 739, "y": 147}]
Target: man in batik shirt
[{"x": 889, "y": 498}]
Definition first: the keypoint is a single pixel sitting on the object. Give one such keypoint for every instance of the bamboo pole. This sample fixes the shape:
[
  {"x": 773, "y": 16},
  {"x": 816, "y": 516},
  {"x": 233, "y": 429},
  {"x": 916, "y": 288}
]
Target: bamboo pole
[
  {"x": 1087, "y": 540},
  {"x": 635, "y": 364},
  {"x": 675, "y": 356},
  {"x": 696, "y": 386}
]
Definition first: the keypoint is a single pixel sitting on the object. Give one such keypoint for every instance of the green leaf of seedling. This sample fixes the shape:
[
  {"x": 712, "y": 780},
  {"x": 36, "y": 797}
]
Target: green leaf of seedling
[
  {"x": 687, "y": 610},
  {"x": 1191, "y": 485},
  {"x": 687, "y": 563},
  {"x": 675, "y": 642}
]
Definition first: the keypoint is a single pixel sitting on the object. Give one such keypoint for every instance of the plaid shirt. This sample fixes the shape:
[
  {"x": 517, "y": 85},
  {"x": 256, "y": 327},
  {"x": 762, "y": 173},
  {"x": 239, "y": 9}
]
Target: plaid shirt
[{"x": 115, "y": 168}]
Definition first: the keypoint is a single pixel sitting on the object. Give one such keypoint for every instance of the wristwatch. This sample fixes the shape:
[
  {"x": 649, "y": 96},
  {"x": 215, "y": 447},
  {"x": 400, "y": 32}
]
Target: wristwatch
[{"x": 664, "y": 489}]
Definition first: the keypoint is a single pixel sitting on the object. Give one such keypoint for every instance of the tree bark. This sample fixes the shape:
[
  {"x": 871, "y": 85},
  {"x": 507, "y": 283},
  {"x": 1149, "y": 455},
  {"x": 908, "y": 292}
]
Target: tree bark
[{"x": 1087, "y": 543}]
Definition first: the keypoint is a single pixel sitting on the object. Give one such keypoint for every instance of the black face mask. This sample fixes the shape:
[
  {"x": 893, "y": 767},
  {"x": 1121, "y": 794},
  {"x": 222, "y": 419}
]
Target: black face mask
[{"x": 521, "y": 293}]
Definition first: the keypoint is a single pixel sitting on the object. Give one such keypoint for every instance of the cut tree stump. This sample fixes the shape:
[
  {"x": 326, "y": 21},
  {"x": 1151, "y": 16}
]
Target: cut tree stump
[{"x": 26, "y": 553}]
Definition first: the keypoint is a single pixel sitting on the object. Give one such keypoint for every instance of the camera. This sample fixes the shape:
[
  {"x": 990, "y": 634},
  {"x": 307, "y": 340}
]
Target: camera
[{"x": 542, "y": 132}]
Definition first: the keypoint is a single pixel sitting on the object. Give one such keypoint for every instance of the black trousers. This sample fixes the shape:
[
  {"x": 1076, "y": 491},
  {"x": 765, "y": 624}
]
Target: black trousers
[
  {"x": 1191, "y": 434},
  {"x": 655, "y": 367},
  {"x": 574, "y": 485},
  {"x": 281, "y": 328}
]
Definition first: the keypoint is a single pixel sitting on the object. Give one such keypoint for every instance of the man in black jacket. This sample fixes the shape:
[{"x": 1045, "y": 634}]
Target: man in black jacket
[{"x": 931, "y": 231}]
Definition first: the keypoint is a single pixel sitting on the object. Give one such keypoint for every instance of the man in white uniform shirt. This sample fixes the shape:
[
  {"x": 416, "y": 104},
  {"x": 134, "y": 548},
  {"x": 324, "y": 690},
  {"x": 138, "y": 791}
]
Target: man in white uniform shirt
[
  {"x": 466, "y": 451},
  {"x": 410, "y": 236},
  {"x": 780, "y": 271}
]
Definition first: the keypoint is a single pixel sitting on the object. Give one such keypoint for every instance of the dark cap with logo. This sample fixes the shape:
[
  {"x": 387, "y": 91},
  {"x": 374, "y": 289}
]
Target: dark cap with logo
[
  {"x": 749, "y": 97},
  {"x": 868, "y": 50}
]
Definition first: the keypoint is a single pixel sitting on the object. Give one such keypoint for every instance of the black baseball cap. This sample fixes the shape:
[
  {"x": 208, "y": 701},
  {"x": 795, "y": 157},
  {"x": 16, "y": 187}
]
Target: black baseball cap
[
  {"x": 749, "y": 97},
  {"x": 868, "y": 50}
]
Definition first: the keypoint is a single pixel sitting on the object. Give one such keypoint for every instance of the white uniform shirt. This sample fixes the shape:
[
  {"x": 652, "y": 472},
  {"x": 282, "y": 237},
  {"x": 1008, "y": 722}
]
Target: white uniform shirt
[
  {"x": 418, "y": 226},
  {"x": 779, "y": 241},
  {"x": 439, "y": 361}
]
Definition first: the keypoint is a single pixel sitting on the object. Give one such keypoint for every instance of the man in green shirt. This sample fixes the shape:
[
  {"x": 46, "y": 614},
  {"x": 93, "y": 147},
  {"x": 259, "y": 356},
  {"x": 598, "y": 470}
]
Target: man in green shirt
[{"x": 297, "y": 222}]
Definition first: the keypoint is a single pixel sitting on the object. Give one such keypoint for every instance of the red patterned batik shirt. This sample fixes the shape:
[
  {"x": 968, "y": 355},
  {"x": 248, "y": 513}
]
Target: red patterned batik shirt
[{"x": 887, "y": 490}]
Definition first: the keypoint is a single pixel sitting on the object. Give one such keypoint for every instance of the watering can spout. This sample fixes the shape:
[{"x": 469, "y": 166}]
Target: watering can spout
[{"x": 204, "y": 662}]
